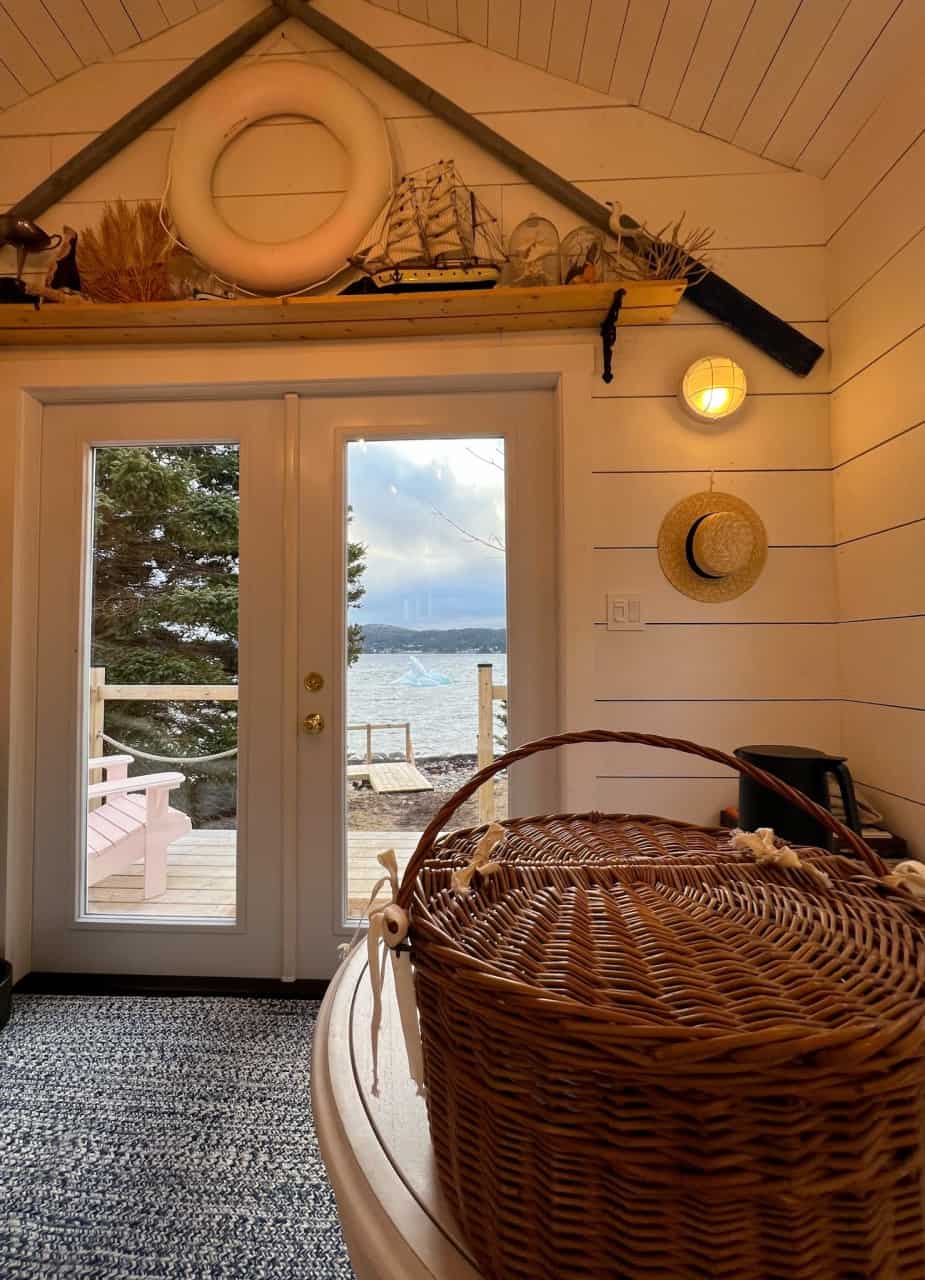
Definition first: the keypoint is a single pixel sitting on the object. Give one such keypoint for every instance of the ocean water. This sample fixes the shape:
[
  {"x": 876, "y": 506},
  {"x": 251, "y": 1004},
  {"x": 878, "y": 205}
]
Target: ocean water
[{"x": 444, "y": 718}]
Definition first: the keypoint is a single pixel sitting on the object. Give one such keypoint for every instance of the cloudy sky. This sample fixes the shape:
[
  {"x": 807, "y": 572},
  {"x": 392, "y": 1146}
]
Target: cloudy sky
[{"x": 421, "y": 570}]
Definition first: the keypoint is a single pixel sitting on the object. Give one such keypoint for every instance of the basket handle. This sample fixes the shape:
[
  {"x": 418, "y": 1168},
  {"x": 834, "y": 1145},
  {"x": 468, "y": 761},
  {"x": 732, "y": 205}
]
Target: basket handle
[{"x": 429, "y": 837}]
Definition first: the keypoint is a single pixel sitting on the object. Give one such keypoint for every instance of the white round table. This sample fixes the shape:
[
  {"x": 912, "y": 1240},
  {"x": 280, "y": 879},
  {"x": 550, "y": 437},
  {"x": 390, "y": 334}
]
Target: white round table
[{"x": 377, "y": 1149}]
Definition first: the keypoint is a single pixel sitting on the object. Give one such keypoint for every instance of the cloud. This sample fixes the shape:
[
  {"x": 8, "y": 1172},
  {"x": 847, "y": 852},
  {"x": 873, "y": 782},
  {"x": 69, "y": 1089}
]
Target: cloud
[{"x": 421, "y": 570}]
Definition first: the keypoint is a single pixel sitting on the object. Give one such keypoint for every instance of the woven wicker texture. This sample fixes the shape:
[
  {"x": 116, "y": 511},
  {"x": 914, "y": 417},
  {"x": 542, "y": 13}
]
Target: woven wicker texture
[{"x": 649, "y": 1057}]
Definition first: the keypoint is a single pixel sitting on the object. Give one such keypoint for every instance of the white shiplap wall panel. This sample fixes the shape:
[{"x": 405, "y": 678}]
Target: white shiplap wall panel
[
  {"x": 714, "y": 660},
  {"x": 443, "y": 14},
  {"x": 898, "y": 47},
  {"x": 641, "y": 30},
  {"x": 795, "y": 586},
  {"x": 882, "y": 489},
  {"x": 876, "y": 260},
  {"x": 795, "y": 505},
  {"x": 900, "y": 119},
  {"x": 113, "y": 20},
  {"x": 567, "y": 39},
  {"x": 602, "y": 40},
  {"x": 44, "y": 35},
  {"x": 19, "y": 57},
  {"x": 892, "y": 214},
  {"x": 473, "y": 20},
  {"x": 715, "y": 47},
  {"x": 535, "y": 32},
  {"x": 80, "y": 31},
  {"x": 883, "y": 577},
  {"x": 24, "y": 163},
  {"x": 843, "y": 53},
  {"x": 504, "y": 26},
  {"x": 671, "y": 55},
  {"x": 655, "y": 433},
  {"x": 880, "y": 314},
  {"x": 813, "y": 24},
  {"x": 761, "y": 37}
]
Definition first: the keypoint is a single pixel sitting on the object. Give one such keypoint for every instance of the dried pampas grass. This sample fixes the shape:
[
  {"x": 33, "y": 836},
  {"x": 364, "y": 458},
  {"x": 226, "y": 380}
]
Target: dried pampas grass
[
  {"x": 124, "y": 259},
  {"x": 672, "y": 253}
]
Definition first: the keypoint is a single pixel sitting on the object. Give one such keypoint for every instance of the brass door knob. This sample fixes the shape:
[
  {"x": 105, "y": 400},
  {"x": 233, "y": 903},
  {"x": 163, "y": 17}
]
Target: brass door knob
[
  {"x": 314, "y": 681},
  {"x": 313, "y": 723}
]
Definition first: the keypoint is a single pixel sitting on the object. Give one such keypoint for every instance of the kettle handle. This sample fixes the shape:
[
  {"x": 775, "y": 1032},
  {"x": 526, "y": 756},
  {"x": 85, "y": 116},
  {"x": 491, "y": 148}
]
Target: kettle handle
[{"x": 849, "y": 799}]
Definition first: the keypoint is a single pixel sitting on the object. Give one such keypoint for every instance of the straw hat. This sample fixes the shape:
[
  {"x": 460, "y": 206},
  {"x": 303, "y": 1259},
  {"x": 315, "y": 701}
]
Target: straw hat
[{"x": 712, "y": 546}]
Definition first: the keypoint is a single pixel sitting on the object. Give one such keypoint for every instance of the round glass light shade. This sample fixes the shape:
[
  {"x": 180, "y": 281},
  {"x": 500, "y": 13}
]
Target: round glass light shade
[{"x": 713, "y": 388}]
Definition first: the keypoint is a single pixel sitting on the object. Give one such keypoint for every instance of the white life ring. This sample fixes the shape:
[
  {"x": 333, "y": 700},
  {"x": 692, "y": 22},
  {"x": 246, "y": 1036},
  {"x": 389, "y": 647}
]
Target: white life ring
[{"x": 226, "y": 108}]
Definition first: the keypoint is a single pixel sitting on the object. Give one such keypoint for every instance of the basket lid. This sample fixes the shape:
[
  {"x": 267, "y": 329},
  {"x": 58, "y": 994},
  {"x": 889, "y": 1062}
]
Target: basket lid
[{"x": 758, "y": 966}]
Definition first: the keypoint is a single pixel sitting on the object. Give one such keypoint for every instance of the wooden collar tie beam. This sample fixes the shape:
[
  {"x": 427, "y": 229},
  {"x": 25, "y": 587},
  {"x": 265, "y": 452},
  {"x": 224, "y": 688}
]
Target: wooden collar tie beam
[{"x": 720, "y": 299}]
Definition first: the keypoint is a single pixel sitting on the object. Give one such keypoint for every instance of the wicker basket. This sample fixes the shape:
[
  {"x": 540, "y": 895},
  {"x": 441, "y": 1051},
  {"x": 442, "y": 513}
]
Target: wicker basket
[{"x": 649, "y": 1056}]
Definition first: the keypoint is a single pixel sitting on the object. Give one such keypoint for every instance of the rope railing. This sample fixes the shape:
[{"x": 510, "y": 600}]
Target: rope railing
[{"x": 149, "y": 755}]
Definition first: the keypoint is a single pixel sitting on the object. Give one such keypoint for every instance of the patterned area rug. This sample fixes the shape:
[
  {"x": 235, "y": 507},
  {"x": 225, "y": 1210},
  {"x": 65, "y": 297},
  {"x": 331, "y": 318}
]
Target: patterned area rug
[{"x": 162, "y": 1137}]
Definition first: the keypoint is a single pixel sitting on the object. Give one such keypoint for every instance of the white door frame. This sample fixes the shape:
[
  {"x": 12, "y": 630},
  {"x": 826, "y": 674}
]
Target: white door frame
[{"x": 32, "y": 379}]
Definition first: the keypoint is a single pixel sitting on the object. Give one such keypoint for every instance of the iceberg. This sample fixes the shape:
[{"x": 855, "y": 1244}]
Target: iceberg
[{"x": 418, "y": 677}]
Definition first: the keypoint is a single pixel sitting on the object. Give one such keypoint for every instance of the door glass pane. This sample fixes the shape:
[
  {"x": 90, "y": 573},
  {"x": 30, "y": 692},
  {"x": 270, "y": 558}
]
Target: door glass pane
[
  {"x": 162, "y": 712},
  {"x": 426, "y": 641}
]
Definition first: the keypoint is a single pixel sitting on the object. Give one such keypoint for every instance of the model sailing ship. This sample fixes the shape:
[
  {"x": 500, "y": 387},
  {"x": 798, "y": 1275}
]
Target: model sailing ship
[{"x": 432, "y": 234}]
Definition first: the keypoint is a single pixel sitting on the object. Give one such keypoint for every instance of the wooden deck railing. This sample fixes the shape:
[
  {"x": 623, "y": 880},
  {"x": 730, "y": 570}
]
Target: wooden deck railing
[
  {"x": 370, "y": 728},
  {"x": 101, "y": 693},
  {"x": 489, "y": 694}
]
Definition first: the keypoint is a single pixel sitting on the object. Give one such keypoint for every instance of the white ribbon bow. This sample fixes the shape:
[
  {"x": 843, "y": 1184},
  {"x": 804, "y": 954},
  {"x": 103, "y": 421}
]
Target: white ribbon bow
[
  {"x": 761, "y": 844},
  {"x": 388, "y": 925},
  {"x": 478, "y": 863}
]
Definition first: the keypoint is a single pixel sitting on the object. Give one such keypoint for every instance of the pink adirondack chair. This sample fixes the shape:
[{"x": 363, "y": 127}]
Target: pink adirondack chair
[{"x": 134, "y": 821}]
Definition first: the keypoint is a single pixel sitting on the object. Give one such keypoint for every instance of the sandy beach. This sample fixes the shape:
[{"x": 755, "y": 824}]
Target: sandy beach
[{"x": 412, "y": 811}]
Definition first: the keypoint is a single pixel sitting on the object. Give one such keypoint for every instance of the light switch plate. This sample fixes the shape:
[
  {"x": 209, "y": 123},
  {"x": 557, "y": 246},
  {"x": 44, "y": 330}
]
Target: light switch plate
[{"x": 624, "y": 613}]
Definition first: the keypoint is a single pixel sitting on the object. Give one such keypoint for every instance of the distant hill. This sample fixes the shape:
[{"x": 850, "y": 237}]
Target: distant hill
[{"x": 378, "y": 637}]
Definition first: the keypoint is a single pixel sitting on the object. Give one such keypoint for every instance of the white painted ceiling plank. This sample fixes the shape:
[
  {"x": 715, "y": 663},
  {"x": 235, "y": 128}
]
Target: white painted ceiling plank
[
  {"x": 856, "y": 32},
  {"x": 569, "y": 26},
  {"x": 715, "y": 48},
  {"x": 765, "y": 29},
  {"x": 605, "y": 27},
  {"x": 641, "y": 30},
  {"x": 388, "y": 4},
  {"x": 10, "y": 89},
  {"x": 147, "y": 17},
  {"x": 21, "y": 59},
  {"x": 416, "y": 9},
  {"x": 535, "y": 31},
  {"x": 814, "y": 23},
  {"x": 886, "y": 64},
  {"x": 45, "y": 36},
  {"x": 176, "y": 11},
  {"x": 504, "y": 26},
  {"x": 115, "y": 24},
  {"x": 672, "y": 53},
  {"x": 81, "y": 31},
  {"x": 442, "y": 14},
  {"x": 473, "y": 20},
  {"x": 202, "y": 5}
]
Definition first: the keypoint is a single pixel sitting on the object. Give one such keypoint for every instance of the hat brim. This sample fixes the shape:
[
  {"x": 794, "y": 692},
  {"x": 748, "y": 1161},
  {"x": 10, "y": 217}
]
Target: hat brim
[{"x": 672, "y": 548}]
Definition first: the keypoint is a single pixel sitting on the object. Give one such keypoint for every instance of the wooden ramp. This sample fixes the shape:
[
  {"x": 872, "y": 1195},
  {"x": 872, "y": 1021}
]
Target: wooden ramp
[{"x": 396, "y": 776}]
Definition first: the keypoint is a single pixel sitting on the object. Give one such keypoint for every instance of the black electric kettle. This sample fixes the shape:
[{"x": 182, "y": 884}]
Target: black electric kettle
[{"x": 806, "y": 769}]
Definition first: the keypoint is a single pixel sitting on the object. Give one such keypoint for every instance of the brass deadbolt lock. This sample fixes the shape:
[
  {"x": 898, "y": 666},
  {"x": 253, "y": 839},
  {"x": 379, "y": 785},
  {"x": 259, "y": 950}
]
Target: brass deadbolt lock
[
  {"x": 314, "y": 723},
  {"x": 314, "y": 681}
]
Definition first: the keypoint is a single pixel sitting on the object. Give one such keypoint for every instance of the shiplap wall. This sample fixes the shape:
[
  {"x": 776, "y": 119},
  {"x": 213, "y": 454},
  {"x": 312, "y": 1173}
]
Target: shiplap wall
[
  {"x": 763, "y": 667},
  {"x": 875, "y": 220}
]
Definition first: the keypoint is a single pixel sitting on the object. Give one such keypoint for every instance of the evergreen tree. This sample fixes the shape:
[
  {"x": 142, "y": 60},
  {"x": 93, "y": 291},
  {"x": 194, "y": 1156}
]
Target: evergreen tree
[{"x": 356, "y": 567}]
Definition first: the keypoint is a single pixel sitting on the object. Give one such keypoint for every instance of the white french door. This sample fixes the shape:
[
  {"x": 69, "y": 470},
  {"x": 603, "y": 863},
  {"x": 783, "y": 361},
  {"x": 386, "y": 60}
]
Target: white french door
[{"x": 256, "y": 885}]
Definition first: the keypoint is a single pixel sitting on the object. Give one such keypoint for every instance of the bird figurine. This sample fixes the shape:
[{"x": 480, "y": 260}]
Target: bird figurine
[{"x": 26, "y": 236}]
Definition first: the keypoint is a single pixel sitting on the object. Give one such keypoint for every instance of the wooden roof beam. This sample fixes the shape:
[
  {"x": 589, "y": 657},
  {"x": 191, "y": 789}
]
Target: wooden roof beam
[
  {"x": 720, "y": 299},
  {"x": 170, "y": 95}
]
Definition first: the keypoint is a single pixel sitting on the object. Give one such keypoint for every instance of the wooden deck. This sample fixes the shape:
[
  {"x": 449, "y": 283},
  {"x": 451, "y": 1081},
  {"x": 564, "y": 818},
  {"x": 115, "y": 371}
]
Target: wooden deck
[
  {"x": 392, "y": 777},
  {"x": 201, "y": 876}
]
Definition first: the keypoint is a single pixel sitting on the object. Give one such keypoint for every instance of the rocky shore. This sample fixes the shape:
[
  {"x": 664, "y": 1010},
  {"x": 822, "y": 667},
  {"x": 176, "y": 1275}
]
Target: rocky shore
[{"x": 411, "y": 811}]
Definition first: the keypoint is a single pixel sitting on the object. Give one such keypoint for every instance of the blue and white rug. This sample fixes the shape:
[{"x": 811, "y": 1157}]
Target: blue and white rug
[{"x": 162, "y": 1137}]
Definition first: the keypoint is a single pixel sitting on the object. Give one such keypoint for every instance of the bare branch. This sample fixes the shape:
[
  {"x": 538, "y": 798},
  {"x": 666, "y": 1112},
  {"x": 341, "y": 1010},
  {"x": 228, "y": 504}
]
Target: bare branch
[{"x": 492, "y": 542}]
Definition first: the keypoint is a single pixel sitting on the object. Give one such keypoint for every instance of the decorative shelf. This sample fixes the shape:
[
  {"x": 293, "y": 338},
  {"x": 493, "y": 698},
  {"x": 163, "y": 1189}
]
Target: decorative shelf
[{"x": 364, "y": 316}]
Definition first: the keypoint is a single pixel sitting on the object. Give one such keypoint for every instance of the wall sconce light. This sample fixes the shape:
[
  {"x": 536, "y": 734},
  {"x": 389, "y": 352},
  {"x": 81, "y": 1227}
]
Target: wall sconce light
[{"x": 713, "y": 388}]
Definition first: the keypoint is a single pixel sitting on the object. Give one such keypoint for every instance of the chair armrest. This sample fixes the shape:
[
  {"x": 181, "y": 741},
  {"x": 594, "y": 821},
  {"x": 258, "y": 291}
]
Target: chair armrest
[
  {"x": 107, "y": 763},
  {"x": 122, "y": 786}
]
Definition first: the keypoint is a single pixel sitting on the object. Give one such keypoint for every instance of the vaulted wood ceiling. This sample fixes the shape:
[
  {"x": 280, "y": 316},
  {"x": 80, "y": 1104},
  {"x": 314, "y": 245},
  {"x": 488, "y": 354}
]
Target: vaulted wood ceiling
[{"x": 792, "y": 80}]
